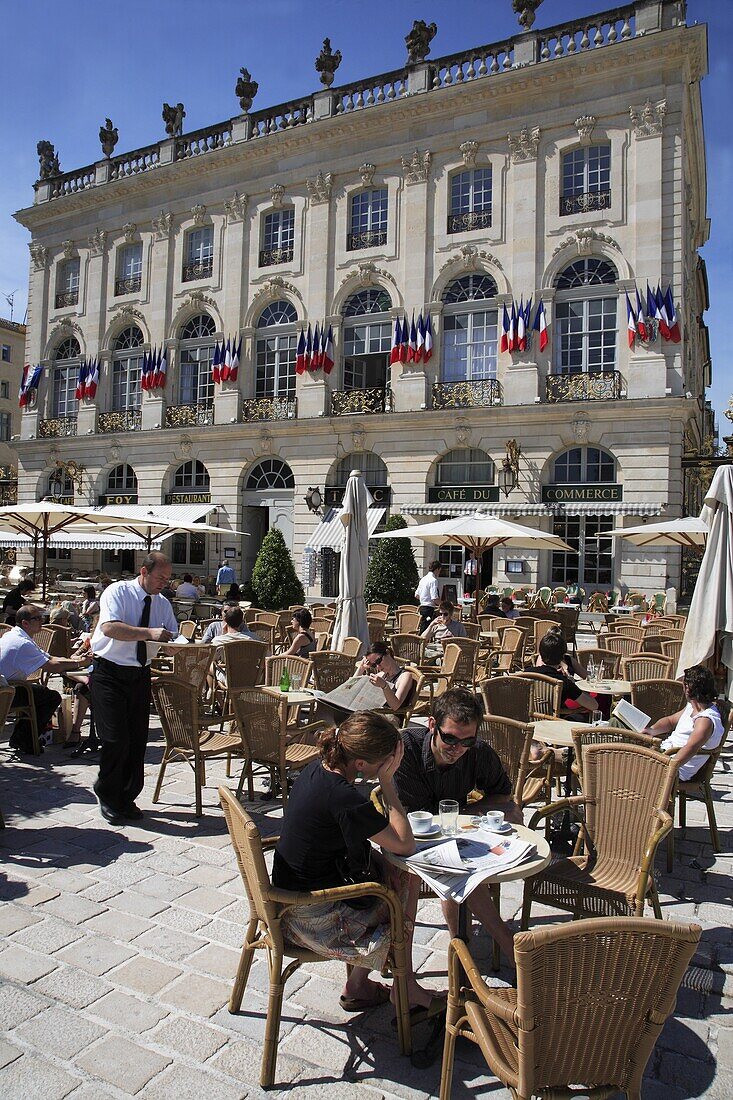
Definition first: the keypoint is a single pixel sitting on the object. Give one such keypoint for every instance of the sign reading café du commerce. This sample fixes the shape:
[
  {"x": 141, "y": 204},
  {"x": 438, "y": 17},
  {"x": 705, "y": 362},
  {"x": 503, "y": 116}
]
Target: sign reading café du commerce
[
  {"x": 585, "y": 494},
  {"x": 463, "y": 494}
]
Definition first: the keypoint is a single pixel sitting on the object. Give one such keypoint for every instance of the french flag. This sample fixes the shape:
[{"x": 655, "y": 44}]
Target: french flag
[
  {"x": 662, "y": 313},
  {"x": 420, "y": 346},
  {"x": 540, "y": 325},
  {"x": 528, "y": 324},
  {"x": 504, "y": 344},
  {"x": 236, "y": 352},
  {"x": 327, "y": 359},
  {"x": 216, "y": 365},
  {"x": 22, "y": 392},
  {"x": 651, "y": 305},
  {"x": 405, "y": 341},
  {"x": 161, "y": 369},
  {"x": 672, "y": 318},
  {"x": 144, "y": 372},
  {"x": 630, "y": 322},
  {"x": 92, "y": 380},
  {"x": 412, "y": 342},
  {"x": 309, "y": 348},
  {"x": 316, "y": 358},
  {"x": 521, "y": 330},
  {"x": 512, "y": 343},
  {"x": 29, "y": 384},
  {"x": 226, "y": 361},
  {"x": 300, "y": 353},
  {"x": 428, "y": 347},
  {"x": 82, "y": 380},
  {"x": 394, "y": 354},
  {"x": 641, "y": 328}
]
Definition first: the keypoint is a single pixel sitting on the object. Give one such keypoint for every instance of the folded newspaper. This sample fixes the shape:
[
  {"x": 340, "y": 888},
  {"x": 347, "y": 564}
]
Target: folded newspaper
[
  {"x": 454, "y": 868},
  {"x": 358, "y": 693}
]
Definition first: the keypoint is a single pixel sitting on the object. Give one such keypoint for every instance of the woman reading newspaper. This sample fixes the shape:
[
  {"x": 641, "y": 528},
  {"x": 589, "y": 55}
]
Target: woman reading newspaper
[{"x": 697, "y": 726}]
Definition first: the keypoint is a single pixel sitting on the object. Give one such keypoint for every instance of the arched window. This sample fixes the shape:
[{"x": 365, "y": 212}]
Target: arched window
[
  {"x": 585, "y": 318},
  {"x": 584, "y": 466},
  {"x": 65, "y": 377},
  {"x": 191, "y": 475},
  {"x": 195, "y": 383},
  {"x": 465, "y": 466},
  {"x": 368, "y": 219},
  {"x": 122, "y": 479},
  {"x": 276, "y": 350},
  {"x": 372, "y": 467},
  {"x": 271, "y": 473},
  {"x": 127, "y": 357},
  {"x": 367, "y": 339},
  {"x": 470, "y": 331},
  {"x": 592, "y": 563}
]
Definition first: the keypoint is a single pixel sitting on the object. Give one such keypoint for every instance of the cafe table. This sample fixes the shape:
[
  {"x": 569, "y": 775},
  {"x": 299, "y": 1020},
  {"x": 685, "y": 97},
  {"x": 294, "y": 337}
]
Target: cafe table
[
  {"x": 557, "y": 732},
  {"x": 605, "y": 687},
  {"x": 289, "y": 699}
]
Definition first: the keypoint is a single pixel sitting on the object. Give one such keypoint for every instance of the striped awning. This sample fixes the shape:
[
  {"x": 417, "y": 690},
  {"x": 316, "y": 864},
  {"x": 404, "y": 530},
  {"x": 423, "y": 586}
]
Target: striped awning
[
  {"x": 70, "y": 539},
  {"x": 330, "y": 532},
  {"x": 513, "y": 508}
]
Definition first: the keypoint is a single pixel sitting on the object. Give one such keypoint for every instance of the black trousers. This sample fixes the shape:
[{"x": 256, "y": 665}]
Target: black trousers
[
  {"x": 427, "y": 611},
  {"x": 45, "y": 701},
  {"x": 121, "y": 705}
]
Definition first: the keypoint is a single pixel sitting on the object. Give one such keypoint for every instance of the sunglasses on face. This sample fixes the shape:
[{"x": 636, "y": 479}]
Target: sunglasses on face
[
  {"x": 451, "y": 739},
  {"x": 375, "y": 664}
]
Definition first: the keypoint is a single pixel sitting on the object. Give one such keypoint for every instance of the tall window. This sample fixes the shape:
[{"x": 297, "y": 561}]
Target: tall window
[
  {"x": 127, "y": 357},
  {"x": 592, "y": 563},
  {"x": 470, "y": 200},
  {"x": 278, "y": 235},
  {"x": 465, "y": 466},
  {"x": 67, "y": 283},
  {"x": 129, "y": 269},
  {"x": 122, "y": 479},
  {"x": 199, "y": 258},
  {"x": 66, "y": 484},
  {"x": 196, "y": 385},
  {"x": 470, "y": 330},
  {"x": 5, "y": 351},
  {"x": 367, "y": 339},
  {"x": 368, "y": 221},
  {"x": 586, "y": 180},
  {"x": 65, "y": 377},
  {"x": 4, "y": 426},
  {"x": 191, "y": 477},
  {"x": 190, "y": 549},
  {"x": 271, "y": 473},
  {"x": 276, "y": 351},
  {"x": 585, "y": 318}
]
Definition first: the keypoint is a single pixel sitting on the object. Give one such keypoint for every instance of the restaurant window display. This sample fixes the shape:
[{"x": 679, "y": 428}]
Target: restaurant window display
[{"x": 583, "y": 474}]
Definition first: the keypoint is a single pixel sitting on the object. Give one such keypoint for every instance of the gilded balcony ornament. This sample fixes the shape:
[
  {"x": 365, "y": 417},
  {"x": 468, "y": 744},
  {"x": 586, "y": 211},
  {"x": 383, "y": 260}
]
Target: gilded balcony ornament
[
  {"x": 370, "y": 238},
  {"x": 188, "y": 416},
  {"x": 417, "y": 167},
  {"x": 48, "y": 161},
  {"x": 360, "y": 402},
  {"x": 236, "y": 207},
  {"x": 108, "y": 137},
  {"x": 591, "y": 386},
  {"x": 127, "y": 420},
  {"x": 468, "y": 150},
  {"x": 418, "y": 41},
  {"x": 524, "y": 145},
  {"x": 57, "y": 426},
  {"x": 583, "y": 204},
  {"x": 473, "y": 219},
  {"x": 39, "y": 255},
  {"x": 319, "y": 188},
  {"x": 648, "y": 121},
  {"x": 173, "y": 118},
  {"x": 473, "y": 394},
  {"x": 163, "y": 224},
  {"x": 246, "y": 89},
  {"x": 327, "y": 63},
  {"x": 269, "y": 408}
]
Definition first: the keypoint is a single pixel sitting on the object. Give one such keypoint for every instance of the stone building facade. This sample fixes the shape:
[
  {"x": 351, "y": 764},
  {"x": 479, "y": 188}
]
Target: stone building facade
[
  {"x": 12, "y": 350},
  {"x": 564, "y": 165}
]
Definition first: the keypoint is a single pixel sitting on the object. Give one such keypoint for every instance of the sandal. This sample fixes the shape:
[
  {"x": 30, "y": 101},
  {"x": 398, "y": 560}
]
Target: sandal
[
  {"x": 363, "y": 1004},
  {"x": 420, "y": 1013}
]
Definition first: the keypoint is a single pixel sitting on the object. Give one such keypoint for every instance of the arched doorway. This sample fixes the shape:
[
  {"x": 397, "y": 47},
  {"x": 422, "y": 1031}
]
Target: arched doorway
[{"x": 267, "y": 501}]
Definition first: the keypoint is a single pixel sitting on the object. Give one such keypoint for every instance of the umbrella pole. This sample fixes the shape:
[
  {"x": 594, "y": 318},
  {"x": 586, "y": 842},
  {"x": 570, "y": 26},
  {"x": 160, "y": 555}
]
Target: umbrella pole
[
  {"x": 35, "y": 557},
  {"x": 44, "y": 558}
]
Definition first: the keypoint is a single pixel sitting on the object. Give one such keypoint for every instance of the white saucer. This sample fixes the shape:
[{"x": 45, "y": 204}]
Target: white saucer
[
  {"x": 505, "y": 828},
  {"x": 431, "y": 834}
]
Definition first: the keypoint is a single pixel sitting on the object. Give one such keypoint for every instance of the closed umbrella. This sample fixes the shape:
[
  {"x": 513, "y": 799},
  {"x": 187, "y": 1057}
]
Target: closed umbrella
[
  {"x": 711, "y": 609},
  {"x": 351, "y": 613},
  {"x": 686, "y": 531}
]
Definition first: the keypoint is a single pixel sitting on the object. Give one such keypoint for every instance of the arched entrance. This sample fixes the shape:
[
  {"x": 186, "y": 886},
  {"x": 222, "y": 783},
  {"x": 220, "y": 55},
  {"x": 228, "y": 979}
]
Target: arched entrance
[{"x": 267, "y": 501}]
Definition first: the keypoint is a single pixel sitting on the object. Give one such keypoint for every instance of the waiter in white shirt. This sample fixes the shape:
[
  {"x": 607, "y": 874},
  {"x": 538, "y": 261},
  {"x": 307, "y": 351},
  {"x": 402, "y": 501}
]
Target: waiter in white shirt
[
  {"x": 470, "y": 573},
  {"x": 131, "y": 613},
  {"x": 428, "y": 593}
]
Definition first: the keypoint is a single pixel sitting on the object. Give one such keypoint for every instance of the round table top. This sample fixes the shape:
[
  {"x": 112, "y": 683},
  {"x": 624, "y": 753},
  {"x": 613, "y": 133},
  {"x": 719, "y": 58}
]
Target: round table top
[
  {"x": 290, "y": 697},
  {"x": 605, "y": 687},
  {"x": 555, "y": 731}
]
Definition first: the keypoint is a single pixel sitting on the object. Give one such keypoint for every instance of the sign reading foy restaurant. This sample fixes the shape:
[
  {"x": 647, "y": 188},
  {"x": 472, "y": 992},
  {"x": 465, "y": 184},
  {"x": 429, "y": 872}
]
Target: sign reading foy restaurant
[
  {"x": 575, "y": 494},
  {"x": 462, "y": 494}
]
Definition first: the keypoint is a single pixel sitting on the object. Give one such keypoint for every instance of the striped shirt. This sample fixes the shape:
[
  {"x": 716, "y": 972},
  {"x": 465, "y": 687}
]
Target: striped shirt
[{"x": 421, "y": 784}]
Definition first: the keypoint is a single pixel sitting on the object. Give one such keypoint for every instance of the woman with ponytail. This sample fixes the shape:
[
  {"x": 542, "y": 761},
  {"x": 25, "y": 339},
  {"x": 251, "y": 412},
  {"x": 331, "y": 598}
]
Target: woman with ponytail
[{"x": 325, "y": 841}]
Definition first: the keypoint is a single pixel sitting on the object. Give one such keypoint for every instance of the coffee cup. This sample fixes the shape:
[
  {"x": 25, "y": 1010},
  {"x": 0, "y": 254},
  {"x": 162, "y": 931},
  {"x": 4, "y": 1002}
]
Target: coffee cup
[
  {"x": 421, "y": 821},
  {"x": 494, "y": 819}
]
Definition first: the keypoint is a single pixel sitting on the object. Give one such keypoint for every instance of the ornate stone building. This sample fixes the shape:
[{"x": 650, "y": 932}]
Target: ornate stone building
[
  {"x": 565, "y": 165},
  {"x": 12, "y": 349}
]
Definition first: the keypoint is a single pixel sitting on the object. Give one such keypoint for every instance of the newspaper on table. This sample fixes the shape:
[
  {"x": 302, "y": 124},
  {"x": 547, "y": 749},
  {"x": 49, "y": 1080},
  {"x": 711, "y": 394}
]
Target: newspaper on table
[
  {"x": 454, "y": 868},
  {"x": 358, "y": 693}
]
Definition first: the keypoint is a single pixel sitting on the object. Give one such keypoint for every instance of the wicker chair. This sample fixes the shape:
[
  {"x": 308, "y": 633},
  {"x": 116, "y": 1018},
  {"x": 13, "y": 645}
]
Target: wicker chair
[
  {"x": 609, "y": 660},
  {"x": 6, "y": 699},
  {"x": 266, "y": 633},
  {"x": 331, "y": 669},
  {"x": 323, "y": 641},
  {"x": 568, "y": 617},
  {"x": 591, "y": 1000},
  {"x": 672, "y": 650},
  {"x": 512, "y": 741},
  {"x": 269, "y": 740},
  {"x": 378, "y": 609},
  {"x": 621, "y": 835},
  {"x": 177, "y": 704},
  {"x": 508, "y": 654},
  {"x": 698, "y": 789},
  {"x": 646, "y": 666},
  {"x": 352, "y": 647},
  {"x": 598, "y": 603},
  {"x": 539, "y": 629},
  {"x": 408, "y": 622},
  {"x": 436, "y": 681},
  {"x": 631, "y": 630},
  {"x": 542, "y": 598},
  {"x": 546, "y": 695},
  {"x": 658, "y": 697},
  {"x": 408, "y": 647},
  {"x": 192, "y": 662},
  {"x": 376, "y": 625},
  {"x": 266, "y": 906},
  {"x": 465, "y": 670},
  {"x": 187, "y": 629},
  {"x": 243, "y": 663},
  {"x": 472, "y": 631},
  {"x": 299, "y": 667},
  {"x": 605, "y": 735},
  {"x": 508, "y": 697},
  {"x": 621, "y": 644}
]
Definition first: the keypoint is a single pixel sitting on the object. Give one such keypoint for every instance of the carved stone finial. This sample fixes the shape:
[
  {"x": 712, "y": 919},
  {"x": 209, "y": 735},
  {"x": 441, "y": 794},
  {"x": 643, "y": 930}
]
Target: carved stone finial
[
  {"x": 68, "y": 249},
  {"x": 523, "y": 146},
  {"x": 417, "y": 167},
  {"x": 48, "y": 161},
  {"x": 197, "y": 213},
  {"x": 418, "y": 41},
  {"x": 39, "y": 255},
  {"x": 525, "y": 11},
  {"x": 319, "y": 188},
  {"x": 276, "y": 193},
  {"x": 163, "y": 224},
  {"x": 173, "y": 118},
  {"x": 98, "y": 242},
  {"x": 236, "y": 207},
  {"x": 468, "y": 150},
  {"x": 648, "y": 121},
  {"x": 327, "y": 63},
  {"x": 246, "y": 89},
  {"x": 108, "y": 137},
  {"x": 584, "y": 126},
  {"x": 366, "y": 171},
  {"x": 129, "y": 230}
]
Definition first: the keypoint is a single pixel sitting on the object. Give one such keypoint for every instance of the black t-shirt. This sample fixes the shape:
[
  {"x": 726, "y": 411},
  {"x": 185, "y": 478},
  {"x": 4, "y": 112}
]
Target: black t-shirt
[
  {"x": 421, "y": 784},
  {"x": 14, "y": 600},
  {"x": 326, "y": 830},
  {"x": 569, "y": 687}
]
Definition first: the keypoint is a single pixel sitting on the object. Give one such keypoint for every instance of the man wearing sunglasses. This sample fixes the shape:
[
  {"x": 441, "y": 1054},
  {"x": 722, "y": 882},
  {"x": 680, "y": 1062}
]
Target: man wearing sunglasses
[{"x": 447, "y": 760}]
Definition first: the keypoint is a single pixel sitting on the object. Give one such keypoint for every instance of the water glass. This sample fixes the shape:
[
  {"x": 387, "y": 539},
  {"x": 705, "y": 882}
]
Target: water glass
[
  {"x": 295, "y": 682},
  {"x": 448, "y": 817},
  {"x": 596, "y": 718},
  {"x": 591, "y": 670}
]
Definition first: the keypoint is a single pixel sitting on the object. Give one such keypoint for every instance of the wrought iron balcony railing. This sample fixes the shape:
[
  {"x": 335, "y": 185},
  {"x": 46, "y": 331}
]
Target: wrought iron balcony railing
[
  {"x": 270, "y": 256},
  {"x": 371, "y": 238},
  {"x": 269, "y": 408},
  {"x": 593, "y": 386},
  {"x": 201, "y": 269},
  {"x": 129, "y": 285},
  {"x": 127, "y": 420},
  {"x": 9, "y": 494},
  {"x": 474, "y": 394},
  {"x": 57, "y": 425},
  {"x": 475, "y": 219},
  {"x": 347, "y": 402},
  {"x": 581, "y": 204},
  {"x": 189, "y": 416},
  {"x": 66, "y": 298}
]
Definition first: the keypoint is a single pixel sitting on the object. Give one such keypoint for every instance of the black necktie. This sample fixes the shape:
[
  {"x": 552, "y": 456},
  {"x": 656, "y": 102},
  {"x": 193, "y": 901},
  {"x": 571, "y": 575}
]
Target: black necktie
[{"x": 142, "y": 649}]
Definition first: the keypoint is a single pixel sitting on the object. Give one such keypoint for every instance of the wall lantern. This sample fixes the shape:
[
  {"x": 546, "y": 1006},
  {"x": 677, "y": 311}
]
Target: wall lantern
[{"x": 508, "y": 475}]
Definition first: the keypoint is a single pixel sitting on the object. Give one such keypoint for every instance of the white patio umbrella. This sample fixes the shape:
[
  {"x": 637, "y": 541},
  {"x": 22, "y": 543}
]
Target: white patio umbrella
[
  {"x": 141, "y": 520},
  {"x": 686, "y": 531},
  {"x": 479, "y": 532},
  {"x": 351, "y": 613},
  {"x": 710, "y": 617}
]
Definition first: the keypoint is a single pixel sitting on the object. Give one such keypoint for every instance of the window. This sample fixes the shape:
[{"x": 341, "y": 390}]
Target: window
[
  {"x": 67, "y": 283},
  {"x": 129, "y": 269},
  {"x": 585, "y": 322},
  {"x": 127, "y": 358},
  {"x": 271, "y": 473},
  {"x": 584, "y": 466},
  {"x": 5, "y": 426},
  {"x": 5, "y": 348},
  {"x": 368, "y": 340},
  {"x": 5, "y": 389},
  {"x": 470, "y": 200},
  {"x": 588, "y": 535},
  {"x": 65, "y": 377},
  {"x": 199, "y": 259},
  {"x": 188, "y": 549},
  {"x": 278, "y": 235},
  {"x": 122, "y": 479},
  {"x": 192, "y": 476},
  {"x": 195, "y": 382},
  {"x": 465, "y": 466},
  {"x": 372, "y": 467},
  {"x": 469, "y": 334},
  {"x": 368, "y": 221},
  {"x": 586, "y": 180},
  {"x": 276, "y": 351}
]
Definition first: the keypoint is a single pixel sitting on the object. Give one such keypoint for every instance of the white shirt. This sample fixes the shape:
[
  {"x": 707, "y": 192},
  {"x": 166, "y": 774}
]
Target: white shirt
[
  {"x": 471, "y": 567},
  {"x": 187, "y": 591},
  {"x": 234, "y": 636},
  {"x": 680, "y": 735},
  {"x": 123, "y": 603},
  {"x": 19, "y": 655},
  {"x": 427, "y": 590}
]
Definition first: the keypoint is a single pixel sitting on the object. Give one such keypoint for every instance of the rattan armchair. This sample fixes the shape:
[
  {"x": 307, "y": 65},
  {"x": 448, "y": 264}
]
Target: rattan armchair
[
  {"x": 408, "y": 622},
  {"x": 408, "y": 647},
  {"x": 266, "y": 633},
  {"x": 631, "y": 630},
  {"x": 351, "y": 647},
  {"x": 331, "y": 669},
  {"x": 646, "y": 666},
  {"x": 547, "y": 695},
  {"x": 264, "y": 933},
  {"x": 605, "y": 657},
  {"x": 658, "y": 697},
  {"x": 627, "y": 790},
  {"x": 512, "y": 742},
  {"x": 464, "y": 672},
  {"x": 243, "y": 663},
  {"x": 376, "y": 626},
  {"x": 672, "y": 650},
  {"x": 187, "y": 629},
  {"x": 583, "y": 736},
  {"x": 591, "y": 1001},
  {"x": 508, "y": 697},
  {"x": 299, "y": 667},
  {"x": 269, "y": 740},
  {"x": 621, "y": 644},
  {"x": 508, "y": 654}
]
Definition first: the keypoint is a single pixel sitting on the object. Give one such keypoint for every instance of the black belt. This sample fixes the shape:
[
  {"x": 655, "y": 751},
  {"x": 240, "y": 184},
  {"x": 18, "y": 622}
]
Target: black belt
[{"x": 124, "y": 672}]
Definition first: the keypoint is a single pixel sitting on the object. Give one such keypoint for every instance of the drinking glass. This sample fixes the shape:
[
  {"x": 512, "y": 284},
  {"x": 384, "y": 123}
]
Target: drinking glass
[
  {"x": 596, "y": 718},
  {"x": 591, "y": 670},
  {"x": 295, "y": 682},
  {"x": 448, "y": 817}
]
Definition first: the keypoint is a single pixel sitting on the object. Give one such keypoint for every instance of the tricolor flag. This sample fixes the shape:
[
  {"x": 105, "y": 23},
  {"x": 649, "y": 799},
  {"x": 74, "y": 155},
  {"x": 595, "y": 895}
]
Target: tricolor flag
[
  {"x": 540, "y": 324},
  {"x": 405, "y": 341},
  {"x": 92, "y": 380},
  {"x": 641, "y": 328},
  {"x": 428, "y": 351},
  {"x": 662, "y": 315},
  {"x": 394, "y": 354},
  {"x": 420, "y": 346},
  {"x": 82, "y": 380},
  {"x": 521, "y": 343},
  {"x": 29, "y": 384},
  {"x": 327, "y": 358},
  {"x": 144, "y": 372},
  {"x": 412, "y": 341},
  {"x": 316, "y": 357},
  {"x": 630, "y": 321},
  {"x": 512, "y": 343},
  {"x": 672, "y": 318},
  {"x": 226, "y": 360},
  {"x": 216, "y": 364},
  {"x": 504, "y": 345},
  {"x": 161, "y": 369},
  {"x": 528, "y": 323},
  {"x": 300, "y": 352},
  {"x": 309, "y": 348},
  {"x": 651, "y": 305},
  {"x": 236, "y": 352}
]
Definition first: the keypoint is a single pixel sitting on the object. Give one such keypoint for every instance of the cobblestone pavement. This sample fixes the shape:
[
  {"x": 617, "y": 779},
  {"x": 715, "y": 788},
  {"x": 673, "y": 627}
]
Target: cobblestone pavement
[{"x": 119, "y": 947}]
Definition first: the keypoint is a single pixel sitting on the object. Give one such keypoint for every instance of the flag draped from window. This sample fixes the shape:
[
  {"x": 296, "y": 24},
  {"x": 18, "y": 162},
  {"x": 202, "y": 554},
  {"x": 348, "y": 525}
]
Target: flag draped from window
[
  {"x": 300, "y": 363},
  {"x": 641, "y": 329},
  {"x": 428, "y": 352},
  {"x": 92, "y": 380},
  {"x": 81, "y": 381},
  {"x": 540, "y": 324},
  {"x": 161, "y": 369},
  {"x": 328, "y": 359},
  {"x": 216, "y": 364},
  {"x": 630, "y": 322},
  {"x": 29, "y": 385}
]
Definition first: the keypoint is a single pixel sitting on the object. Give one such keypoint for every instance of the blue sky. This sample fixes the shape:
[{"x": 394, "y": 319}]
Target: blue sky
[{"x": 67, "y": 66}]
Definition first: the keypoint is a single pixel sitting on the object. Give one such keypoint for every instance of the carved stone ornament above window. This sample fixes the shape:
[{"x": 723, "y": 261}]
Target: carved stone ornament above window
[
  {"x": 276, "y": 193},
  {"x": 581, "y": 429},
  {"x": 366, "y": 275},
  {"x": 468, "y": 150},
  {"x": 648, "y": 121},
  {"x": 417, "y": 167},
  {"x": 265, "y": 443},
  {"x": 523, "y": 146},
  {"x": 366, "y": 171},
  {"x": 68, "y": 249},
  {"x": 39, "y": 255},
  {"x": 185, "y": 446},
  {"x": 98, "y": 242},
  {"x": 463, "y": 432},
  {"x": 126, "y": 311},
  {"x": 198, "y": 298},
  {"x": 274, "y": 287},
  {"x": 470, "y": 257},
  {"x": 584, "y": 126},
  {"x": 163, "y": 224},
  {"x": 358, "y": 439},
  {"x": 236, "y": 207},
  {"x": 319, "y": 188},
  {"x": 583, "y": 240},
  {"x": 198, "y": 213},
  {"x": 129, "y": 229}
]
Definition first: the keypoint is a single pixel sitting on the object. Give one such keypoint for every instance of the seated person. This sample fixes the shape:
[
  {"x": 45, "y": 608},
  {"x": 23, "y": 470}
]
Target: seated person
[
  {"x": 82, "y": 694},
  {"x": 490, "y": 606},
  {"x": 325, "y": 839},
  {"x": 66, "y": 615},
  {"x": 233, "y": 630},
  {"x": 187, "y": 590},
  {"x": 446, "y": 760},
  {"x": 508, "y": 609},
  {"x": 200, "y": 588},
  {"x": 697, "y": 726},
  {"x": 215, "y": 628},
  {"x": 89, "y": 605},
  {"x": 16, "y": 598},
  {"x": 20, "y": 657},
  {"x": 382, "y": 669},
  {"x": 444, "y": 627},
  {"x": 552, "y": 657},
  {"x": 303, "y": 643},
  {"x": 233, "y": 592}
]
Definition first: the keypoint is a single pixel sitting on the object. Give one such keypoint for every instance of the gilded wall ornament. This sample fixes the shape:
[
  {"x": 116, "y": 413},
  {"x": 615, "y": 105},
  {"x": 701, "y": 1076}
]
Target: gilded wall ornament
[
  {"x": 129, "y": 230},
  {"x": 108, "y": 137},
  {"x": 366, "y": 171},
  {"x": 319, "y": 188},
  {"x": 98, "y": 242},
  {"x": 236, "y": 207},
  {"x": 197, "y": 213},
  {"x": 417, "y": 167},
  {"x": 418, "y": 41},
  {"x": 584, "y": 125},
  {"x": 468, "y": 150},
  {"x": 523, "y": 146},
  {"x": 648, "y": 121},
  {"x": 39, "y": 255},
  {"x": 163, "y": 224}
]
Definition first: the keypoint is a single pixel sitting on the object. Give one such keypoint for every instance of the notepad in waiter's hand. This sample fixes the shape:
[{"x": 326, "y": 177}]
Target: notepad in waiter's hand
[{"x": 633, "y": 718}]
